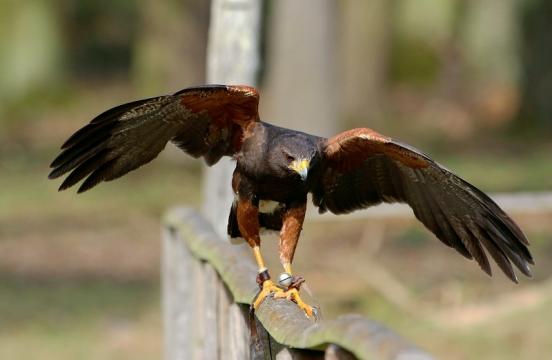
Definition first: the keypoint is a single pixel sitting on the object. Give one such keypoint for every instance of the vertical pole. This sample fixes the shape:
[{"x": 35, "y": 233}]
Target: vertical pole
[
  {"x": 201, "y": 319},
  {"x": 232, "y": 58}
]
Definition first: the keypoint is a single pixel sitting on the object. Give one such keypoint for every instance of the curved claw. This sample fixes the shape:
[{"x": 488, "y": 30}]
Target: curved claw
[
  {"x": 317, "y": 313},
  {"x": 293, "y": 295}
]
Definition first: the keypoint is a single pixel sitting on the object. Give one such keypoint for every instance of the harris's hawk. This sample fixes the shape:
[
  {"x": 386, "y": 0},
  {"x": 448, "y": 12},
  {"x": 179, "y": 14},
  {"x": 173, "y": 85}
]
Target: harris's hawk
[{"x": 276, "y": 168}]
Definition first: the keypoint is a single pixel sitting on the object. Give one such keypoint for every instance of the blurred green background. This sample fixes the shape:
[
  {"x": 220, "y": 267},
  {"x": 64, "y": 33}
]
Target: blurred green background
[{"x": 470, "y": 82}]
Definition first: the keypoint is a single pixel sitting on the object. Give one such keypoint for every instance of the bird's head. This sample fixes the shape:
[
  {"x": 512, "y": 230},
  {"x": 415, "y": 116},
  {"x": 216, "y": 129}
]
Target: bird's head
[
  {"x": 299, "y": 166},
  {"x": 297, "y": 160}
]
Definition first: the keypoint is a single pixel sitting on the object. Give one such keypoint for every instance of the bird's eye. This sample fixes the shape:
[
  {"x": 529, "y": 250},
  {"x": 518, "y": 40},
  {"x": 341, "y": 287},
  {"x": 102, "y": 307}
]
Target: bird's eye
[{"x": 288, "y": 156}]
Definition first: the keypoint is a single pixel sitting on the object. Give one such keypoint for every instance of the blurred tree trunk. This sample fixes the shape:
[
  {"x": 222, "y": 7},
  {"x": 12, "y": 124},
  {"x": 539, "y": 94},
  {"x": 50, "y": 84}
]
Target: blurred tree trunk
[
  {"x": 30, "y": 48},
  {"x": 536, "y": 53},
  {"x": 170, "y": 51},
  {"x": 490, "y": 34},
  {"x": 364, "y": 38},
  {"x": 301, "y": 88},
  {"x": 171, "y": 45}
]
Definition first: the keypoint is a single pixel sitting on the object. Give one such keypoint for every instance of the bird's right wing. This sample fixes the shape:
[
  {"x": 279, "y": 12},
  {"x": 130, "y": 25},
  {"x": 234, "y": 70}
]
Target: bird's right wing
[
  {"x": 363, "y": 168},
  {"x": 208, "y": 121}
]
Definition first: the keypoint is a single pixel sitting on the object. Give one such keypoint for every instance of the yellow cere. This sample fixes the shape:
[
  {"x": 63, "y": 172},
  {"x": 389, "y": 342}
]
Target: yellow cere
[{"x": 300, "y": 165}]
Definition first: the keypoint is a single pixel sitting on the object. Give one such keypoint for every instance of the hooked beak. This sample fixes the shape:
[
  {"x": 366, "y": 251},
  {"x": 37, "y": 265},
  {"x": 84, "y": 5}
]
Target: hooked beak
[{"x": 301, "y": 167}]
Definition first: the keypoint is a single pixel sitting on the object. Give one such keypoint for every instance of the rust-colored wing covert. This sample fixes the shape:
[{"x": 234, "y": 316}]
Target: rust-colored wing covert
[
  {"x": 208, "y": 121},
  {"x": 363, "y": 168}
]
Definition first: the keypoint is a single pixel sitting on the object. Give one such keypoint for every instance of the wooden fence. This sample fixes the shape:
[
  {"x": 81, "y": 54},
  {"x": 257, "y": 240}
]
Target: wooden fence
[{"x": 208, "y": 285}]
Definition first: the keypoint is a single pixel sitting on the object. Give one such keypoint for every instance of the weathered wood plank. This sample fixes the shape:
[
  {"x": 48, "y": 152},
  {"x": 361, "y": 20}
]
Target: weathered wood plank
[
  {"x": 206, "y": 311},
  {"x": 201, "y": 319},
  {"x": 282, "y": 319},
  {"x": 178, "y": 301},
  {"x": 227, "y": 259}
]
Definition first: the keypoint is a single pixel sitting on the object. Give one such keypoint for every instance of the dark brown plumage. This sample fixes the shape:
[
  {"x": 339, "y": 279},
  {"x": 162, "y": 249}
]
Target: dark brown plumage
[{"x": 277, "y": 168}]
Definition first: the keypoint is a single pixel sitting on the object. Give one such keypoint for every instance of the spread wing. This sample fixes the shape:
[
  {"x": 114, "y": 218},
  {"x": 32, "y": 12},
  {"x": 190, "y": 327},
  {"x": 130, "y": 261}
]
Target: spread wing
[
  {"x": 363, "y": 168},
  {"x": 208, "y": 121}
]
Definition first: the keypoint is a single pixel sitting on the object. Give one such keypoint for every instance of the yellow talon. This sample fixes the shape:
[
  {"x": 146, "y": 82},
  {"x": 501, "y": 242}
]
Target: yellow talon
[
  {"x": 293, "y": 295},
  {"x": 268, "y": 288}
]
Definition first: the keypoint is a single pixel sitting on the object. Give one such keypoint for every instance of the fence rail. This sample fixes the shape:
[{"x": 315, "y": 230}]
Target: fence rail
[{"x": 208, "y": 285}]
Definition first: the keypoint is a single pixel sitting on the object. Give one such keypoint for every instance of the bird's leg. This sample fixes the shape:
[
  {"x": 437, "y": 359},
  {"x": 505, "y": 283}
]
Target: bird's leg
[
  {"x": 248, "y": 223},
  {"x": 266, "y": 285},
  {"x": 289, "y": 236}
]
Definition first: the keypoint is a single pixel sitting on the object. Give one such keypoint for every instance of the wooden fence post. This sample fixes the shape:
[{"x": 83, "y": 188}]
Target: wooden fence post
[{"x": 201, "y": 318}]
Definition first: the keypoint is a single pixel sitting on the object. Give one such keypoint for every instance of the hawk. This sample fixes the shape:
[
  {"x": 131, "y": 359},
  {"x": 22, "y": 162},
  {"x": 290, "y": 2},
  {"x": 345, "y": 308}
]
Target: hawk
[{"x": 276, "y": 168}]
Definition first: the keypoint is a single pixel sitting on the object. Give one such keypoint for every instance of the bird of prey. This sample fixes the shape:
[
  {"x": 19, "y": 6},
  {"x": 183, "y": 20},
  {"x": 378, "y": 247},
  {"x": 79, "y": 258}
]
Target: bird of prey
[{"x": 276, "y": 168}]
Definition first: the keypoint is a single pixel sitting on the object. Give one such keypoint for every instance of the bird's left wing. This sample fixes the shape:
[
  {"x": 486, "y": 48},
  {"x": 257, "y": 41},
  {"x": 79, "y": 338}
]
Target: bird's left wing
[
  {"x": 208, "y": 121},
  {"x": 363, "y": 168}
]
